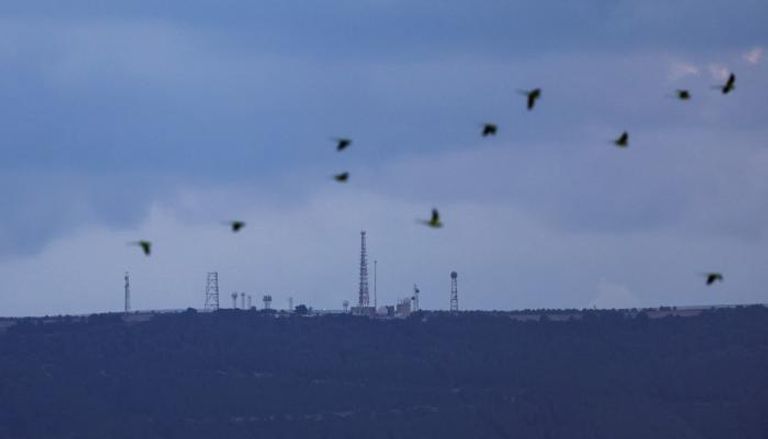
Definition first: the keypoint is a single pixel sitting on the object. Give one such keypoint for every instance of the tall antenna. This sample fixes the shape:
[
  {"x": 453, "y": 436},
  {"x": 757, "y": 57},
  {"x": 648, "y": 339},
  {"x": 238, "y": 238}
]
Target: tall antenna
[
  {"x": 234, "y": 300},
  {"x": 454, "y": 292},
  {"x": 212, "y": 291},
  {"x": 127, "y": 293},
  {"x": 363, "y": 299},
  {"x": 375, "y": 295},
  {"x": 415, "y": 297}
]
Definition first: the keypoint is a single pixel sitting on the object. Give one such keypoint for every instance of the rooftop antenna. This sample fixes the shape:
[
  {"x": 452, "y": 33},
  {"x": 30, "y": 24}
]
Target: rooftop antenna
[
  {"x": 234, "y": 300},
  {"x": 212, "y": 291},
  {"x": 363, "y": 299},
  {"x": 415, "y": 297},
  {"x": 454, "y": 292},
  {"x": 127, "y": 294}
]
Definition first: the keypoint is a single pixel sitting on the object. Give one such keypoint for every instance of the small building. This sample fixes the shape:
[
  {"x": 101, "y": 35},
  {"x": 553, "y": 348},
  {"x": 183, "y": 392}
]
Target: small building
[
  {"x": 403, "y": 308},
  {"x": 363, "y": 311}
]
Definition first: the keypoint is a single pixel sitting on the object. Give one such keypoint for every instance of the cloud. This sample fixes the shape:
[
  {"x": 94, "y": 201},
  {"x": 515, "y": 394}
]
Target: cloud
[
  {"x": 680, "y": 70},
  {"x": 512, "y": 248},
  {"x": 719, "y": 71},
  {"x": 613, "y": 295},
  {"x": 754, "y": 56}
]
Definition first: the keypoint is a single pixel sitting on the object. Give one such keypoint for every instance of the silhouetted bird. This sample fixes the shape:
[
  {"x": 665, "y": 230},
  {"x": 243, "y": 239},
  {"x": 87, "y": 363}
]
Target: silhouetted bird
[
  {"x": 434, "y": 221},
  {"x": 341, "y": 178},
  {"x": 236, "y": 225},
  {"x": 146, "y": 246},
  {"x": 683, "y": 95},
  {"x": 342, "y": 143},
  {"x": 533, "y": 96},
  {"x": 489, "y": 129},
  {"x": 713, "y": 277},
  {"x": 729, "y": 85},
  {"x": 623, "y": 140}
]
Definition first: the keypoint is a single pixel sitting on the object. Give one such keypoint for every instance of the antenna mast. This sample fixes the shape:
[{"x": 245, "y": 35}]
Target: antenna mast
[
  {"x": 127, "y": 293},
  {"x": 454, "y": 292}
]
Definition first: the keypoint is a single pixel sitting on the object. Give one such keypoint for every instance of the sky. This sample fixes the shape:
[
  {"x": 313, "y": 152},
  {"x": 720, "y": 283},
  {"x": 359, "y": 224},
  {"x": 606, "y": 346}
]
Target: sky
[{"x": 122, "y": 121}]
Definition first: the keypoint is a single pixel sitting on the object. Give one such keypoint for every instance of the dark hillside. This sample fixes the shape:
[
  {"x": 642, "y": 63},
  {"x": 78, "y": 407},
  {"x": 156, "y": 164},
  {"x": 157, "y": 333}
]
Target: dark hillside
[{"x": 474, "y": 375}]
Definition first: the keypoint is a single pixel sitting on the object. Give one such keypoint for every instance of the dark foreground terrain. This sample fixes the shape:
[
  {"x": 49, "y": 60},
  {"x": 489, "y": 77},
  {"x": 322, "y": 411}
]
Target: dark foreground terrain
[{"x": 474, "y": 375}]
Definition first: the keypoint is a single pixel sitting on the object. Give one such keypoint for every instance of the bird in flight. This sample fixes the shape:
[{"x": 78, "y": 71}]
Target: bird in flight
[
  {"x": 489, "y": 129},
  {"x": 622, "y": 141},
  {"x": 533, "y": 96},
  {"x": 729, "y": 85},
  {"x": 146, "y": 246},
  {"x": 236, "y": 225},
  {"x": 713, "y": 277},
  {"x": 342, "y": 143},
  {"x": 683, "y": 95},
  {"x": 341, "y": 178},
  {"x": 433, "y": 222}
]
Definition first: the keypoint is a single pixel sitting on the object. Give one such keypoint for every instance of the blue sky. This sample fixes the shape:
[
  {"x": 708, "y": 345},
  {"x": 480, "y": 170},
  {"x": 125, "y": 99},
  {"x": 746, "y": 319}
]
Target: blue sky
[{"x": 131, "y": 120}]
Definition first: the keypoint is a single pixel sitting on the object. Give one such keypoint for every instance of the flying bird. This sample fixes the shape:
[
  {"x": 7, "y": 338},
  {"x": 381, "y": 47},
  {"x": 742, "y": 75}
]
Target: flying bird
[
  {"x": 236, "y": 225},
  {"x": 342, "y": 143},
  {"x": 433, "y": 222},
  {"x": 683, "y": 95},
  {"x": 146, "y": 246},
  {"x": 623, "y": 140},
  {"x": 729, "y": 85},
  {"x": 341, "y": 178},
  {"x": 713, "y": 277},
  {"x": 489, "y": 129},
  {"x": 533, "y": 96}
]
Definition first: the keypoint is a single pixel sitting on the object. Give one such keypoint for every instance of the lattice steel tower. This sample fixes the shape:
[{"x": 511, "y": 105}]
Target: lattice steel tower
[
  {"x": 363, "y": 298},
  {"x": 454, "y": 292},
  {"x": 212, "y": 292}
]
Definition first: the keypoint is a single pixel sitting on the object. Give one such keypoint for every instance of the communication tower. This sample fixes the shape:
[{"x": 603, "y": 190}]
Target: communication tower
[
  {"x": 363, "y": 299},
  {"x": 454, "y": 292},
  {"x": 212, "y": 291}
]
